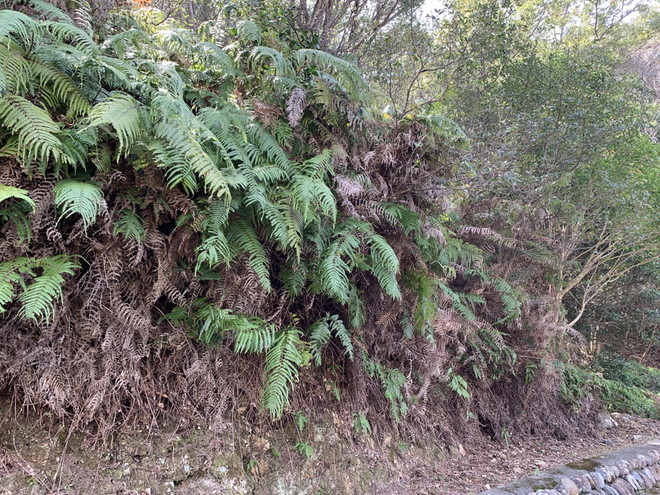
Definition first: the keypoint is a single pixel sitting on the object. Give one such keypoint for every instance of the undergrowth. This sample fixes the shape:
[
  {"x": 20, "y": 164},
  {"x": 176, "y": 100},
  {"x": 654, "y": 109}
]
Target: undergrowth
[{"x": 194, "y": 222}]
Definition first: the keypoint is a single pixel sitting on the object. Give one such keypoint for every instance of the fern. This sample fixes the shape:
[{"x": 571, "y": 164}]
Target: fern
[
  {"x": 458, "y": 384},
  {"x": 319, "y": 336},
  {"x": 35, "y": 129},
  {"x": 385, "y": 266},
  {"x": 334, "y": 269},
  {"x": 50, "y": 11},
  {"x": 392, "y": 382},
  {"x": 281, "y": 64},
  {"x": 7, "y": 192},
  {"x": 18, "y": 24},
  {"x": 347, "y": 73},
  {"x": 122, "y": 112},
  {"x": 82, "y": 198},
  {"x": 10, "y": 274},
  {"x": 426, "y": 305},
  {"x": 15, "y": 70},
  {"x": 283, "y": 360},
  {"x": 67, "y": 32},
  {"x": 320, "y": 333},
  {"x": 214, "y": 250},
  {"x": 242, "y": 234},
  {"x": 64, "y": 89},
  {"x": 510, "y": 300},
  {"x": 251, "y": 334},
  {"x": 249, "y": 31},
  {"x": 183, "y": 134},
  {"x": 38, "y": 297},
  {"x": 130, "y": 225}
]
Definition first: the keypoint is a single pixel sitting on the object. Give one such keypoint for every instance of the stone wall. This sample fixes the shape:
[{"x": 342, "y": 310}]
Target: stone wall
[{"x": 625, "y": 472}]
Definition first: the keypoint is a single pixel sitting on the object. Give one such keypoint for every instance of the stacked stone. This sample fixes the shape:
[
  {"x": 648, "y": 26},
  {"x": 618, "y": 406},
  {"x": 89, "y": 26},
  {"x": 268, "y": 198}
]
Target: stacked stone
[{"x": 623, "y": 477}]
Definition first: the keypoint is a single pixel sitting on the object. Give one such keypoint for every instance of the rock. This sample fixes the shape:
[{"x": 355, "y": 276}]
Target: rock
[
  {"x": 623, "y": 467},
  {"x": 609, "y": 490},
  {"x": 647, "y": 480},
  {"x": 598, "y": 480},
  {"x": 569, "y": 486},
  {"x": 607, "y": 476},
  {"x": 622, "y": 488},
  {"x": 630, "y": 479},
  {"x": 607, "y": 421},
  {"x": 584, "y": 483},
  {"x": 650, "y": 475}
]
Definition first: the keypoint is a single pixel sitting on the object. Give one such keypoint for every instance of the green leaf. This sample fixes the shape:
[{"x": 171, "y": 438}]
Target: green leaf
[
  {"x": 281, "y": 370},
  {"x": 82, "y": 198},
  {"x": 7, "y": 192}
]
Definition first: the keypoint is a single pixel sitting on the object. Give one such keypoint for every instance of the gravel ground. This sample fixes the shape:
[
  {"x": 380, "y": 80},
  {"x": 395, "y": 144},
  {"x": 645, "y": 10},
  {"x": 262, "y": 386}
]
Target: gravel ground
[{"x": 486, "y": 464}]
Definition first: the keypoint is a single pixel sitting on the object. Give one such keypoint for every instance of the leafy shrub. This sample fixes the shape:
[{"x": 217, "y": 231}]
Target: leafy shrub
[{"x": 617, "y": 368}]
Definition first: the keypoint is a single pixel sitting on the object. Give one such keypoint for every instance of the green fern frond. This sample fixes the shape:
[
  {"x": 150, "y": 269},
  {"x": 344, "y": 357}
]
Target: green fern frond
[
  {"x": 308, "y": 193},
  {"x": 355, "y": 307},
  {"x": 83, "y": 16},
  {"x": 399, "y": 216},
  {"x": 253, "y": 336},
  {"x": 248, "y": 31},
  {"x": 347, "y": 73},
  {"x": 319, "y": 336},
  {"x": 243, "y": 235},
  {"x": 385, "y": 266},
  {"x": 7, "y": 192},
  {"x": 38, "y": 298},
  {"x": 269, "y": 147},
  {"x": 33, "y": 126},
  {"x": 216, "y": 58},
  {"x": 64, "y": 89},
  {"x": 280, "y": 63},
  {"x": 122, "y": 112},
  {"x": 23, "y": 27},
  {"x": 3, "y": 81},
  {"x": 71, "y": 34},
  {"x": 281, "y": 370},
  {"x": 213, "y": 251},
  {"x": 15, "y": 69},
  {"x": 392, "y": 381},
  {"x": 130, "y": 226},
  {"x": 49, "y": 11},
  {"x": 184, "y": 133},
  {"x": 333, "y": 267},
  {"x": 426, "y": 305},
  {"x": 320, "y": 165},
  {"x": 74, "y": 197},
  {"x": 320, "y": 333},
  {"x": 215, "y": 216},
  {"x": 294, "y": 277},
  {"x": 19, "y": 214},
  {"x": 510, "y": 300},
  {"x": 341, "y": 332},
  {"x": 11, "y": 275},
  {"x": 457, "y": 302}
]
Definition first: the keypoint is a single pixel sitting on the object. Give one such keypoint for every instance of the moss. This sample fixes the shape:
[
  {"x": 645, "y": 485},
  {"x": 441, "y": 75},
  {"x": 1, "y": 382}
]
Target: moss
[{"x": 584, "y": 464}]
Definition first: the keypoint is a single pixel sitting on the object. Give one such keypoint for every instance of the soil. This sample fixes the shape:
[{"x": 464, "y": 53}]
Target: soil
[
  {"x": 238, "y": 461},
  {"x": 487, "y": 464}
]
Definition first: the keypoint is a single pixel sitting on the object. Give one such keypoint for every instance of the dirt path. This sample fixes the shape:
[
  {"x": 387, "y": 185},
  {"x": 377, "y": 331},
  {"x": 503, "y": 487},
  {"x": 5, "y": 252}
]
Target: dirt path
[{"x": 486, "y": 464}]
